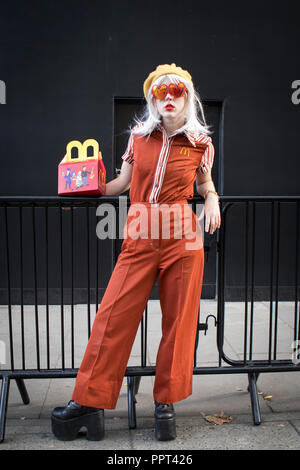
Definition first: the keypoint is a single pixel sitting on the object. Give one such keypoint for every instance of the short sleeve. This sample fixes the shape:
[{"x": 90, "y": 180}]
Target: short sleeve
[
  {"x": 207, "y": 159},
  {"x": 128, "y": 155}
]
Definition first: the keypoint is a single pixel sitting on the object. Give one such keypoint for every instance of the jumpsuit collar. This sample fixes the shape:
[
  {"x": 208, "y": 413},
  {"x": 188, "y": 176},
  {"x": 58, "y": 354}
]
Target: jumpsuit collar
[{"x": 191, "y": 136}]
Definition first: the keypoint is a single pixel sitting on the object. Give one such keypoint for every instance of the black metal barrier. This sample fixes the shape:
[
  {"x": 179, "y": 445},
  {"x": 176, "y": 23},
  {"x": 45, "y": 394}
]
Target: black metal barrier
[{"x": 49, "y": 251}]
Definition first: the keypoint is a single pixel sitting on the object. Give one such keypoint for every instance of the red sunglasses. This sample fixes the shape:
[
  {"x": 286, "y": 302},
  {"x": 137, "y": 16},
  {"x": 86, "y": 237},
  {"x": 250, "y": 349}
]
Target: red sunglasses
[{"x": 159, "y": 92}]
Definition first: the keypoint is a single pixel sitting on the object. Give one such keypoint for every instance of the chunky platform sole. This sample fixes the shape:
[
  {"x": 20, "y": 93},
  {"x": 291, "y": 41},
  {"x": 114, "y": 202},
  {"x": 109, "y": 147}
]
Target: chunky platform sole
[
  {"x": 67, "y": 430},
  {"x": 165, "y": 429}
]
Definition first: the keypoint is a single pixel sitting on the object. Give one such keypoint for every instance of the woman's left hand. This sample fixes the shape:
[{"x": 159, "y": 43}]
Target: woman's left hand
[{"x": 212, "y": 213}]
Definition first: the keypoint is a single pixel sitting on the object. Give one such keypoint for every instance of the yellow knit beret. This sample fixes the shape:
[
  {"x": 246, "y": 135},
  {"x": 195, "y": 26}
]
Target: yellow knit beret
[{"x": 164, "y": 70}]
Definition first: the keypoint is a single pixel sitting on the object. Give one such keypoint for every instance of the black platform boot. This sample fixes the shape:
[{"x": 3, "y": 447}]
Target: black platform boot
[
  {"x": 165, "y": 425},
  {"x": 67, "y": 422}
]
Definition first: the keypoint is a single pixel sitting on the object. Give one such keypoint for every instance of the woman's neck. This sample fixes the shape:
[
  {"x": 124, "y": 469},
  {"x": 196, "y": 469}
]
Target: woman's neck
[{"x": 171, "y": 125}]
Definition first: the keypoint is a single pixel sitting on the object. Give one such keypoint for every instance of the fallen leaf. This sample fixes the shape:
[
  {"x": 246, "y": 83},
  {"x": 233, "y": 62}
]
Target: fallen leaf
[
  {"x": 217, "y": 418},
  {"x": 214, "y": 420},
  {"x": 281, "y": 425},
  {"x": 268, "y": 397}
]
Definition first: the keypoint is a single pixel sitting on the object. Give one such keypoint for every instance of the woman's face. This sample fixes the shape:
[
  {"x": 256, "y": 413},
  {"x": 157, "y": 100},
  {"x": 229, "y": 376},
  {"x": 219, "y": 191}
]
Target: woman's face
[{"x": 170, "y": 107}]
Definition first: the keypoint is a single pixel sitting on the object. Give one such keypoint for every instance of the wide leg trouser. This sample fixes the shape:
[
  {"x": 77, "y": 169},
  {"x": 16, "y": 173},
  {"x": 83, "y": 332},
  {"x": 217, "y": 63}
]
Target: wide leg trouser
[{"x": 180, "y": 273}]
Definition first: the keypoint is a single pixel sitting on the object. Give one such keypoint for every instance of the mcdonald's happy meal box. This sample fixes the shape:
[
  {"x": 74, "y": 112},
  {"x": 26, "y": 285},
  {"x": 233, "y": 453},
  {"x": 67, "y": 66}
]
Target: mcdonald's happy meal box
[{"x": 82, "y": 175}]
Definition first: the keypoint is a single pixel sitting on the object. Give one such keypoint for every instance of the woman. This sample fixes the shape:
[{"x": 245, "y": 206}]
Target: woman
[{"x": 167, "y": 151}]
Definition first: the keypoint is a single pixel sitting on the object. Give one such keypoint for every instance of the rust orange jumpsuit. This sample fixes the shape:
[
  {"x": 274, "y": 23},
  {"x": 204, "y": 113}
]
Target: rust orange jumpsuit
[{"x": 164, "y": 171}]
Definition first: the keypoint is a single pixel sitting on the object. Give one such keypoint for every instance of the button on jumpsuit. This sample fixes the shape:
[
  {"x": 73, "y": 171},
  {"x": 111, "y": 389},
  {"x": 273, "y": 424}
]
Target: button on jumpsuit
[{"x": 162, "y": 239}]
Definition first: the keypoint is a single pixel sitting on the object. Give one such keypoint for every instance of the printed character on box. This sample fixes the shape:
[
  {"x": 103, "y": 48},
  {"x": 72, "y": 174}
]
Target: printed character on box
[
  {"x": 84, "y": 176},
  {"x": 168, "y": 151},
  {"x": 79, "y": 182},
  {"x": 69, "y": 176}
]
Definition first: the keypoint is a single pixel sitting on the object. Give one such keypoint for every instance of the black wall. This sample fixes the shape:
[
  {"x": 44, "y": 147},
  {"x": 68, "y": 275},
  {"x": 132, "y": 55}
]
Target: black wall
[{"x": 64, "y": 61}]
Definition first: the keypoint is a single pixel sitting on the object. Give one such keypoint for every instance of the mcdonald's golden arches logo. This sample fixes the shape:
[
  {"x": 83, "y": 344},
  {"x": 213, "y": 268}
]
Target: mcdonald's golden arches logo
[{"x": 185, "y": 151}]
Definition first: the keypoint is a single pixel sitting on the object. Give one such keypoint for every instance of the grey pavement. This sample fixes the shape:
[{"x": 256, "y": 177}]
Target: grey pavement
[{"x": 29, "y": 426}]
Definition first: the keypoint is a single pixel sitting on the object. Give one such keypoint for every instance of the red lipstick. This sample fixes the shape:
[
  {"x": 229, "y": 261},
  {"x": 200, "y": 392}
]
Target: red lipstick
[{"x": 169, "y": 107}]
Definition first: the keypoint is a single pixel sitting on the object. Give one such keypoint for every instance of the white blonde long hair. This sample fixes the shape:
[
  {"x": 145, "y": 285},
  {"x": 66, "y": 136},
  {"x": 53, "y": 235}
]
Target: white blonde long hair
[{"x": 151, "y": 117}]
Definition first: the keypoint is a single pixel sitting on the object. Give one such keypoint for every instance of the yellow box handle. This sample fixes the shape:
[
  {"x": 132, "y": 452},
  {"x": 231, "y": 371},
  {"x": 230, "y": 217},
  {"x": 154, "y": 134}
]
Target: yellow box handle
[{"x": 82, "y": 150}]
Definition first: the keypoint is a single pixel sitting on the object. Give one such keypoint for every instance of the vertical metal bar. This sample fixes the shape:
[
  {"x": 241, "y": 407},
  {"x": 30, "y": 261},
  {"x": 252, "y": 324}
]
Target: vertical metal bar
[
  {"x": 114, "y": 251},
  {"x": 3, "y": 404},
  {"x": 296, "y": 326},
  {"x": 276, "y": 285},
  {"x": 246, "y": 283},
  {"x": 72, "y": 286},
  {"x": 11, "y": 344},
  {"x": 197, "y": 339},
  {"x": 221, "y": 282},
  {"x": 88, "y": 268},
  {"x": 62, "y": 331},
  {"x": 136, "y": 385},
  {"x": 254, "y": 399},
  {"x": 142, "y": 341},
  {"x": 271, "y": 281},
  {"x": 23, "y": 391},
  {"x": 47, "y": 287},
  {"x": 97, "y": 268},
  {"x": 131, "y": 403},
  {"x": 21, "y": 286},
  {"x": 252, "y": 282},
  {"x": 37, "y": 332},
  {"x": 144, "y": 337},
  {"x": 146, "y": 333}
]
